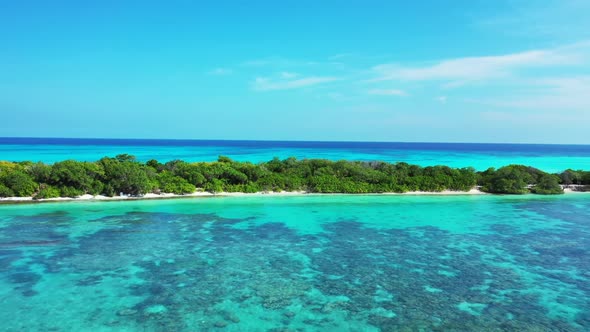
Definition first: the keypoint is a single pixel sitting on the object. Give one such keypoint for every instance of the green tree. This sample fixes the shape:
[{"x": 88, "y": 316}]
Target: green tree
[
  {"x": 47, "y": 191},
  {"x": 548, "y": 184},
  {"x": 123, "y": 174},
  {"x": 464, "y": 179},
  {"x": 5, "y": 191},
  {"x": 153, "y": 163},
  {"x": 224, "y": 159},
  {"x": 214, "y": 186},
  {"x": 124, "y": 157},
  {"x": 170, "y": 183},
  {"x": 81, "y": 176},
  {"x": 21, "y": 183},
  {"x": 40, "y": 172},
  {"x": 570, "y": 176},
  {"x": 127, "y": 177},
  {"x": 511, "y": 179},
  {"x": 325, "y": 183},
  {"x": 73, "y": 192}
]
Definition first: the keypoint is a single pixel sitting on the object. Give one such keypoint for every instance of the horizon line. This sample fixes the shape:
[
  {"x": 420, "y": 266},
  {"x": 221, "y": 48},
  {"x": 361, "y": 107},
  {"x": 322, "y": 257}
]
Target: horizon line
[{"x": 278, "y": 141}]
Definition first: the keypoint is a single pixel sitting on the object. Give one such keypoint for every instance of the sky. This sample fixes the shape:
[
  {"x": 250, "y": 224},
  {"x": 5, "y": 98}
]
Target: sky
[{"x": 409, "y": 71}]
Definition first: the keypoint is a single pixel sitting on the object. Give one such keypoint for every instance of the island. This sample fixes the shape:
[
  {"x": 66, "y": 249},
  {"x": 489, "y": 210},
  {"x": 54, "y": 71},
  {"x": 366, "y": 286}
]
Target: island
[{"x": 125, "y": 176}]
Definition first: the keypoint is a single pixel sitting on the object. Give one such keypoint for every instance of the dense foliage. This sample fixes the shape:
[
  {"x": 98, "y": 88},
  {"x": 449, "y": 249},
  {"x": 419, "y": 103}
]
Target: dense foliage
[{"x": 124, "y": 175}]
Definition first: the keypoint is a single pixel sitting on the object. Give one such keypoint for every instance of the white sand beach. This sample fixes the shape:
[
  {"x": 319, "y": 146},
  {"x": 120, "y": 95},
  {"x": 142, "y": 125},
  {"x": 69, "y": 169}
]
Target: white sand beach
[{"x": 474, "y": 191}]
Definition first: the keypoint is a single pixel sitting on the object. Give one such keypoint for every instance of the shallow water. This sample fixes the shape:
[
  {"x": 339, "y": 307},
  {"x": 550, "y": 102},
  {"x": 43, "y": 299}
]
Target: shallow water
[
  {"x": 309, "y": 263},
  {"x": 550, "y": 158}
]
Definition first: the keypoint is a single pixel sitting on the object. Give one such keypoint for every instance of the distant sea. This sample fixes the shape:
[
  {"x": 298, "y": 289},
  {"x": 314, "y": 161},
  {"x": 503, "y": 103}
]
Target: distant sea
[{"x": 551, "y": 158}]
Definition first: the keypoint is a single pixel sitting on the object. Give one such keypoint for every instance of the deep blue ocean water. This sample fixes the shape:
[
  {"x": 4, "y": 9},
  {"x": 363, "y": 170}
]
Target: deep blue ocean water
[{"x": 552, "y": 158}]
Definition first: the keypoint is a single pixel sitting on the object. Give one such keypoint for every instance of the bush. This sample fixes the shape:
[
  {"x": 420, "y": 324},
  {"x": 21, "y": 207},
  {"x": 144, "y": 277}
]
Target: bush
[
  {"x": 127, "y": 176},
  {"x": 40, "y": 172},
  {"x": 8, "y": 167},
  {"x": 214, "y": 186},
  {"x": 20, "y": 183},
  {"x": 96, "y": 188},
  {"x": 569, "y": 176},
  {"x": 169, "y": 183},
  {"x": 5, "y": 191},
  {"x": 191, "y": 173},
  {"x": 124, "y": 174},
  {"x": 71, "y": 192},
  {"x": 71, "y": 173},
  {"x": 548, "y": 185},
  {"x": 224, "y": 159},
  {"x": 48, "y": 192},
  {"x": 155, "y": 165},
  {"x": 507, "y": 180}
]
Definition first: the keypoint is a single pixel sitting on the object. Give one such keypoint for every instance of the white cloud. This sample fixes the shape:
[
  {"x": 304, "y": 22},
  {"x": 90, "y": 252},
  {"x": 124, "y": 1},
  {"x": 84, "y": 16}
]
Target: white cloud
[
  {"x": 550, "y": 93},
  {"x": 456, "y": 72},
  {"x": 221, "y": 71},
  {"x": 288, "y": 75},
  {"x": 283, "y": 83},
  {"x": 442, "y": 99},
  {"x": 552, "y": 79},
  {"x": 388, "y": 92}
]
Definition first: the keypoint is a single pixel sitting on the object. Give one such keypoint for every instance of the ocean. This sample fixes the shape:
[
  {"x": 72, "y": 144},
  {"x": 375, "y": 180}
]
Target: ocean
[
  {"x": 301, "y": 263},
  {"x": 550, "y": 158}
]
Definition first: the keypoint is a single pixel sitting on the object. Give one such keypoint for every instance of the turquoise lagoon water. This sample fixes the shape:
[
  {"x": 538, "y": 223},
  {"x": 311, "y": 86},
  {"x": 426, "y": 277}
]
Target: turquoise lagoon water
[
  {"x": 307, "y": 263},
  {"x": 550, "y": 158}
]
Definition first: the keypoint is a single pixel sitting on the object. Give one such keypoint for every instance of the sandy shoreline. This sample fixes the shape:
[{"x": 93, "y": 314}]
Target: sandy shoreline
[
  {"x": 222, "y": 194},
  {"x": 8, "y": 200}
]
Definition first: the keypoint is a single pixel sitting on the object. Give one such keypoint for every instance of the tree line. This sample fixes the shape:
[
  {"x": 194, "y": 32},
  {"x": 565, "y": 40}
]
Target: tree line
[{"x": 124, "y": 175}]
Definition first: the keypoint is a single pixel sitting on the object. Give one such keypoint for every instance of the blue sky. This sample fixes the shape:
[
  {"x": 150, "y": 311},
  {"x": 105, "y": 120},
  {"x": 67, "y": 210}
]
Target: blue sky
[{"x": 452, "y": 71}]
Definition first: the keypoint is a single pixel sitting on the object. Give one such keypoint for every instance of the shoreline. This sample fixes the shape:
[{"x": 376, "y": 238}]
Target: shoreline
[{"x": 150, "y": 196}]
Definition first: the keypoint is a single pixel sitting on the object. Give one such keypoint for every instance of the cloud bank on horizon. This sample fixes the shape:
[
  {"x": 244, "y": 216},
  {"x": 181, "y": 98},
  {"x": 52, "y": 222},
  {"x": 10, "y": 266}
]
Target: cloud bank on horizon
[{"x": 464, "y": 72}]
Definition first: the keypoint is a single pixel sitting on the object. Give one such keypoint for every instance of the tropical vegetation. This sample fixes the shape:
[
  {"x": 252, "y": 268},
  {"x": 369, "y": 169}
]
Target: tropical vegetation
[{"x": 124, "y": 175}]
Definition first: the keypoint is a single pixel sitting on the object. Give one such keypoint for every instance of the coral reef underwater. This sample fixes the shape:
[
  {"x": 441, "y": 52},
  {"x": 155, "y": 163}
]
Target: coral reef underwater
[{"x": 522, "y": 265}]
